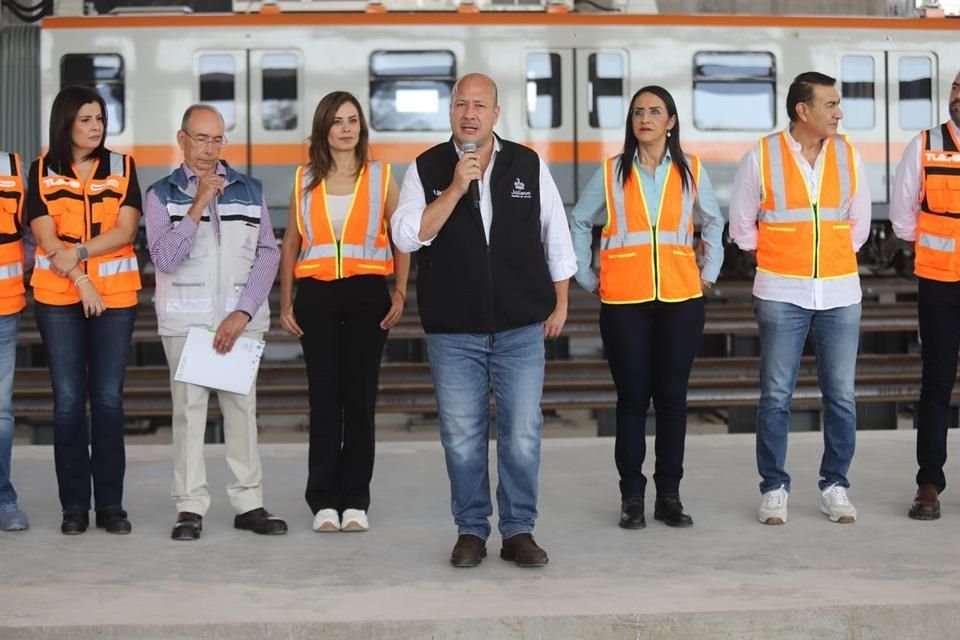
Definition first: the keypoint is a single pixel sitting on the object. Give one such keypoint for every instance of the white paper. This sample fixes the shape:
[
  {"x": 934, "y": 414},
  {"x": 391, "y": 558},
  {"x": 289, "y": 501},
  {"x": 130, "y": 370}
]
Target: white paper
[{"x": 235, "y": 371}]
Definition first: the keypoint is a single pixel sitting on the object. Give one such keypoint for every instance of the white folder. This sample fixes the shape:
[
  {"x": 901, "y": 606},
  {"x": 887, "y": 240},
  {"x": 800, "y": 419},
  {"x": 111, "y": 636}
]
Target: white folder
[{"x": 235, "y": 371}]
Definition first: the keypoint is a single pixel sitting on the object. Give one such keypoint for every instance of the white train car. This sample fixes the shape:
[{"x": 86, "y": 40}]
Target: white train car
[{"x": 564, "y": 82}]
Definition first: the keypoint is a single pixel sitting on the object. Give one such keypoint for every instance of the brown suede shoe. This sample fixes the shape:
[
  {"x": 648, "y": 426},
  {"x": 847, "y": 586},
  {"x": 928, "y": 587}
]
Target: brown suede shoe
[
  {"x": 926, "y": 504},
  {"x": 469, "y": 551},
  {"x": 260, "y": 521},
  {"x": 523, "y": 550}
]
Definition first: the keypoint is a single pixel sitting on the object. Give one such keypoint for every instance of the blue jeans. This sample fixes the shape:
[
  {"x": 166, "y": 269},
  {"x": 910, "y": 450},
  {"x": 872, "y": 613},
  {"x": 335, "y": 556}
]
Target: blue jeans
[
  {"x": 464, "y": 365},
  {"x": 836, "y": 338},
  {"x": 8, "y": 356},
  {"x": 87, "y": 358}
]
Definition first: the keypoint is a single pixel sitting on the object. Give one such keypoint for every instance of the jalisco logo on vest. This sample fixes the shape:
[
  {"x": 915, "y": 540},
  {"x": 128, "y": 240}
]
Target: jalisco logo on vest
[
  {"x": 932, "y": 156},
  {"x": 7, "y": 184},
  {"x": 100, "y": 186},
  {"x": 60, "y": 181},
  {"x": 519, "y": 190}
]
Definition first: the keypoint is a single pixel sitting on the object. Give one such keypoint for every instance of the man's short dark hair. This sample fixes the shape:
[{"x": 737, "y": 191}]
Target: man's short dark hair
[{"x": 801, "y": 90}]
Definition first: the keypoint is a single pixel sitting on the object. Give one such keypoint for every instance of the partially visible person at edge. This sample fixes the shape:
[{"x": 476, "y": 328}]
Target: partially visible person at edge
[
  {"x": 83, "y": 204},
  {"x": 492, "y": 275},
  {"x": 798, "y": 202},
  {"x": 211, "y": 240},
  {"x": 337, "y": 248},
  {"x": 12, "y": 302},
  {"x": 925, "y": 209},
  {"x": 650, "y": 287}
]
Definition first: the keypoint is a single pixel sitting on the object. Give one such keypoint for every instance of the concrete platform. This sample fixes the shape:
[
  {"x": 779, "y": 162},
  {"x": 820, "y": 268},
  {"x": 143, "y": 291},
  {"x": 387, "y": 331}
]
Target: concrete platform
[{"x": 726, "y": 578}]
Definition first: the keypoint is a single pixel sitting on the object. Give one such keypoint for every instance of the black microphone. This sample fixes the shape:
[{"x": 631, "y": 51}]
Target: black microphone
[{"x": 470, "y": 147}]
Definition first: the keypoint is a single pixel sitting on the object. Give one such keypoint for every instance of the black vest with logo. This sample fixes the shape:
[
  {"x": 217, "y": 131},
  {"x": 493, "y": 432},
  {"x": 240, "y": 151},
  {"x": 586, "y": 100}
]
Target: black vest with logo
[{"x": 465, "y": 285}]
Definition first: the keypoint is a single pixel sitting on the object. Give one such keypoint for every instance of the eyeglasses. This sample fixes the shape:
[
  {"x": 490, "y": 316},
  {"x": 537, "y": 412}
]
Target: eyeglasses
[{"x": 204, "y": 140}]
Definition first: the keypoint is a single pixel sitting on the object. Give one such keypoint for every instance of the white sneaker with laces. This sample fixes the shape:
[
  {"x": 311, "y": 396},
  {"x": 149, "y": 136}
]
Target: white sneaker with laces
[
  {"x": 773, "y": 508},
  {"x": 326, "y": 521},
  {"x": 835, "y": 503},
  {"x": 355, "y": 520}
]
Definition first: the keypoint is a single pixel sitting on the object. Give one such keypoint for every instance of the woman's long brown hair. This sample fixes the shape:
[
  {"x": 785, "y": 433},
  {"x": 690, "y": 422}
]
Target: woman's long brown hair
[{"x": 321, "y": 160}]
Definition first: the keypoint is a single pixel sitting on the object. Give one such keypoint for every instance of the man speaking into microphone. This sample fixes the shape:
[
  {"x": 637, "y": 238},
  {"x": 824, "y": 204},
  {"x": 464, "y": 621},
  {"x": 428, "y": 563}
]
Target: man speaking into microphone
[{"x": 490, "y": 288}]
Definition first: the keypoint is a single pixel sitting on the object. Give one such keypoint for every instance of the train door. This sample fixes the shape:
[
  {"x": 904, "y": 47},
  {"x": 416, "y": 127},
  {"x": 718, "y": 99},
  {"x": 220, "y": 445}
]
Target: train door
[
  {"x": 550, "y": 121},
  {"x": 601, "y": 109},
  {"x": 887, "y": 98}
]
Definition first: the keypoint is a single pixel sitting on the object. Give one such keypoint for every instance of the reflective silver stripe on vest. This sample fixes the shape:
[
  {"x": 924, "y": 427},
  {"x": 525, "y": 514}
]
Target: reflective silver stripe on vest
[
  {"x": 622, "y": 238},
  {"x": 683, "y": 232},
  {"x": 117, "y": 167},
  {"x": 7, "y": 168},
  {"x": 778, "y": 177},
  {"x": 937, "y": 243},
  {"x": 317, "y": 252},
  {"x": 375, "y": 188},
  {"x": 361, "y": 251},
  {"x": 41, "y": 262},
  {"x": 115, "y": 267},
  {"x": 306, "y": 201},
  {"x": 936, "y": 139},
  {"x": 8, "y": 271},
  {"x": 843, "y": 168}
]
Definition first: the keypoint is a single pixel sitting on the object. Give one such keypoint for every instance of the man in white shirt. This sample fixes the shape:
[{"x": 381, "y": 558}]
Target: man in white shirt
[
  {"x": 925, "y": 208},
  {"x": 494, "y": 258},
  {"x": 799, "y": 204}
]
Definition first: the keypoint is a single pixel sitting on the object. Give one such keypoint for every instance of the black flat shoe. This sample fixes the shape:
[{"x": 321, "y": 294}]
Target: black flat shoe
[
  {"x": 74, "y": 523},
  {"x": 631, "y": 514},
  {"x": 669, "y": 511},
  {"x": 188, "y": 526},
  {"x": 114, "y": 521}
]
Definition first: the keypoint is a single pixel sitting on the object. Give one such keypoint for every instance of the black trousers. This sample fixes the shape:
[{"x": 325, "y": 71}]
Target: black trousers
[
  {"x": 650, "y": 348},
  {"x": 939, "y": 315},
  {"x": 342, "y": 347}
]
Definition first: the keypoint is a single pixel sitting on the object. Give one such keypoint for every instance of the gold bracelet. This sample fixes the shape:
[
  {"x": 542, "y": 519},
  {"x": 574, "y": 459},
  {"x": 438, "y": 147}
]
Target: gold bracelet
[
  {"x": 402, "y": 294},
  {"x": 80, "y": 279}
]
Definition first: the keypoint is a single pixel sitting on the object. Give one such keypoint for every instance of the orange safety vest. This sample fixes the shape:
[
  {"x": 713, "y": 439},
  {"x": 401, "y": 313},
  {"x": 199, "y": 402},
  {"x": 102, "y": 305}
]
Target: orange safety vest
[
  {"x": 81, "y": 212},
  {"x": 364, "y": 245},
  {"x": 12, "y": 299},
  {"x": 640, "y": 262},
  {"x": 938, "y": 221},
  {"x": 801, "y": 236}
]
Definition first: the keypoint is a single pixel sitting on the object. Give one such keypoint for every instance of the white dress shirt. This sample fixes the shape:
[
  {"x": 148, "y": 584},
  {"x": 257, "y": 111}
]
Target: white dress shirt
[
  {"x": 905, "y": 198},
  {"x": 554, "y": 233},
  {"x": 808, "y": 293}
]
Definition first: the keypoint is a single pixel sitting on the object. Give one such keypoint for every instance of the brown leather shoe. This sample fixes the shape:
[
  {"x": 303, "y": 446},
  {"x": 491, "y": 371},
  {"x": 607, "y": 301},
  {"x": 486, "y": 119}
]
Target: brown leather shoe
[
  {"x": 523, "y": 550},
  {"x": 469, "y": 551},
  {"x": 926, "y": 504},
  {"x": 188, "y": 526},
  {"x": 260, "y": 521}
]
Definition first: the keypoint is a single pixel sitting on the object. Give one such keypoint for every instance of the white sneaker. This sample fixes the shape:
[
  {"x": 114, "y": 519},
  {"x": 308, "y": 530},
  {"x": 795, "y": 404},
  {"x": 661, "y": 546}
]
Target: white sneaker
[
  {"x": 773, "y": 509},
  {"x": 326, "y": 520},
  {"x": 355, "y": 520},
  {"x": 835, "y": 503}
]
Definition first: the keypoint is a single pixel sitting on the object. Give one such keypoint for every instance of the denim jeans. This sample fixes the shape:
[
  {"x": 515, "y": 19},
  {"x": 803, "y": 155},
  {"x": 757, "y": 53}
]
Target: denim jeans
[
  {"x": 8, "y": 355},
  {"x": 836, "y": 337},
  {"x": 464, "y": 366},
  {"x": 87, "y": 358}
]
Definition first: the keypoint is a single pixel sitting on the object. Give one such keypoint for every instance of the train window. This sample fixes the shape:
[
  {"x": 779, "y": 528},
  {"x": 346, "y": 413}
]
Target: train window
[
  {"x": 543, "y": 90},
  {"x": 410, "y": 90},
  {"x": 734, "y": 90},
  {"x": 605, "y": 90},
  {"x": 916, "y": 93},
  {"x": 100, "y": 71},
  {"x": 857, "y": 84},
  {"x": 217, "y": 73},
  {"x": 279, "y": 91}
]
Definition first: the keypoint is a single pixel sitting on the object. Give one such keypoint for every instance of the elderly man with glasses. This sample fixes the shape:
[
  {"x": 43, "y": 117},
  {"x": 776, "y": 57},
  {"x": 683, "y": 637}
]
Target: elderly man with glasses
[{"x": 212, "y": 242}]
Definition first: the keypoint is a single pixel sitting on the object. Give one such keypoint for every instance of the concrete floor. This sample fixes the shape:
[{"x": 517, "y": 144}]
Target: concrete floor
[{"x": 726, "y": 578}]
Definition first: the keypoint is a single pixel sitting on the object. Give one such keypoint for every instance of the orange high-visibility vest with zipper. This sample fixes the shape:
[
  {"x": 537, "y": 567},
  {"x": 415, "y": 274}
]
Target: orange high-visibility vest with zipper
[
  {"x": 938, "y": 221},
  {"x": 804, "y": 235},
  {"x": 364, "y": 244},
  {"x": 640, "y": 262}
]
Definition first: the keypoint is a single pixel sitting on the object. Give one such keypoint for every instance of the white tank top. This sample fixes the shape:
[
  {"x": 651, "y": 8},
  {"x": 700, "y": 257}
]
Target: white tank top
[{"x": 337, "y": 207}]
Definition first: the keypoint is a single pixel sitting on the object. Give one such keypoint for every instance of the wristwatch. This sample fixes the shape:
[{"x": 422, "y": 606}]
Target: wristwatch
[{"x": 82, "y": 253}]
